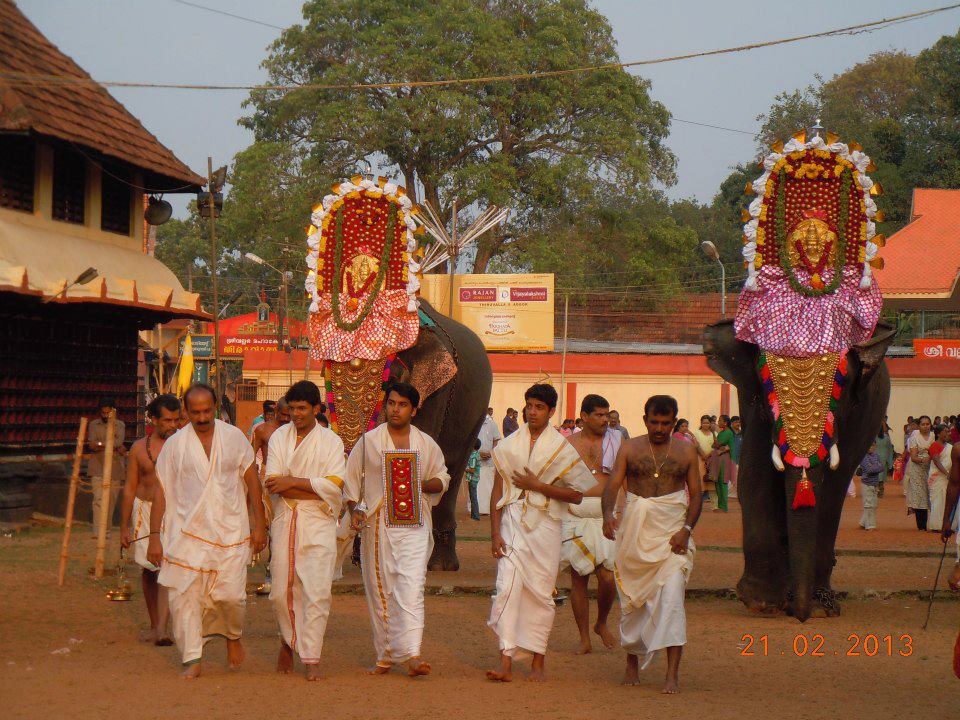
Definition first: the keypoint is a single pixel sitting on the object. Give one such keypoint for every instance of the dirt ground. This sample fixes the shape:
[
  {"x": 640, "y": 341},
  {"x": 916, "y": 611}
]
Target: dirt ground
[{"x": 69, "y": 652}]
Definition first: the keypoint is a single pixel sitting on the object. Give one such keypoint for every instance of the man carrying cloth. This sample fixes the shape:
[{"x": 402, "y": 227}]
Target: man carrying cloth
[
  {"x": 395, "y": 475},
  {"x": 538, "y": 473},
  {"x": 138, "y": 492},
  {"x": 305, "y": 470},
  {"x": 585, "y": 551},
  {"x": 654, "y": 550},
  {"x": 206, "y": 473}
]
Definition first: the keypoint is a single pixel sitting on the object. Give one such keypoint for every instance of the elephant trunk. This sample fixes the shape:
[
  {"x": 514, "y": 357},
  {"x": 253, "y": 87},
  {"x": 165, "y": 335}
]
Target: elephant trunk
[{"x": 802, "y": 535}]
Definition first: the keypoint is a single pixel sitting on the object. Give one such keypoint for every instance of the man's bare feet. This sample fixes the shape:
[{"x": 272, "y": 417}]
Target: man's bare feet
[
  {"x": 632, "y": 674},
  {"x": 148, "y": 636},
  {"x": 505, "y": 673},
  {"x": 191, "y": 671},
  {"x": 584, "y": 647},
  {"x": 284, "y": 659},
  {"x": 609, "y": 641},
  {"x": 536, "y": 669},
  {"x": 379, "y": 669},
  {"x": 671, "y": 686},
  {"x": 163, "y": 642},
  {"x": 235, "y": 653},
  {"x": 313, "y": 672},
  {"x": 416, "y": 667}
]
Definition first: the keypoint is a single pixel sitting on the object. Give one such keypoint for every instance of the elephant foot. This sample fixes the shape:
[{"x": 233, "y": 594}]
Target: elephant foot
[
  {"x": 444, "y": 556},
  {"x": 760, "y": 597}
]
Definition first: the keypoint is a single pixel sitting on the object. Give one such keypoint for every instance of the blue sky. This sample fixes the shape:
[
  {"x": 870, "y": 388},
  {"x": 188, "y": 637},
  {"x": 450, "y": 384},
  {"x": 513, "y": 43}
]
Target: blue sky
[{"x": 165, "y": 41}]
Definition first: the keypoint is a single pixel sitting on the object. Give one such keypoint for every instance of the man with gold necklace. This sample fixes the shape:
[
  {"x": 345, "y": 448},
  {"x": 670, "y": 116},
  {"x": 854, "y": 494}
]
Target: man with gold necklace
[{"x": 654, "y": 553}]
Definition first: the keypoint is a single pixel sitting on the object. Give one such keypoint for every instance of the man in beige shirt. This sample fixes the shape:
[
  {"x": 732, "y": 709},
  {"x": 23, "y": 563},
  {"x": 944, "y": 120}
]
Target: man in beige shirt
[{"x": 96, "y": 447}]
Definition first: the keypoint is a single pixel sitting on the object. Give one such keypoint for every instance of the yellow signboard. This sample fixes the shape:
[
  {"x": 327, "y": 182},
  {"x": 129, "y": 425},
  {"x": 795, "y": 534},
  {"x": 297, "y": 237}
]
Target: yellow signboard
[{"x": 507, "y": 312}]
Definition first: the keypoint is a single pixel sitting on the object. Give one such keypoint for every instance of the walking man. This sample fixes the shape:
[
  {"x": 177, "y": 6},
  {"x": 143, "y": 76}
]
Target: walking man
[
  {"x": 585, "y": 551},
  {"x": 395, "y": 475},
  {"x": 654, "y": 548},
  {"x": 538, "y": 473},
  {"x": 138, "y": 492},
  {"x": 489, "y": 437},
  {"x": 304, "y": 476},
  {"x": 205, "y": 474}
]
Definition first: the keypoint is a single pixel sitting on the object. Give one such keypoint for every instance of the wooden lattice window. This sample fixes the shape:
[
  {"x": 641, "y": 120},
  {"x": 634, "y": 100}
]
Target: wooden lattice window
[
  {"x": 69, "y": 186},
  {"x": 115, "y": 193},
  {"x": 16, "y": 172}
]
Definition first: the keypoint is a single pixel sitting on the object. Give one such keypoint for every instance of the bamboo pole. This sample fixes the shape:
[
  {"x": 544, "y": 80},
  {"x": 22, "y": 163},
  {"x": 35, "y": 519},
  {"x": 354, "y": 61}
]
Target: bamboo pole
[
  {"x": 71, "y": 499},
  {"x": 105, "y": 496}
]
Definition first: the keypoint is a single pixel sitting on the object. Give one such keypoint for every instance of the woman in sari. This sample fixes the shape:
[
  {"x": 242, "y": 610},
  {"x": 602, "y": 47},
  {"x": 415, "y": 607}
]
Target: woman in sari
[
  {"x": 681, "y": 431},
  {"x": 915, "y": 479},
  {"x": 940, "y": 464},
  {"x": 723, "y": 445}
]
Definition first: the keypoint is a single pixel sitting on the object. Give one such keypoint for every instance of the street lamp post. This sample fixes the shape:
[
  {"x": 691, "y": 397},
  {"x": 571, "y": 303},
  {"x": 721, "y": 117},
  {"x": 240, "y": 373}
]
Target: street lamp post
[{"x": 710, "y": 250}]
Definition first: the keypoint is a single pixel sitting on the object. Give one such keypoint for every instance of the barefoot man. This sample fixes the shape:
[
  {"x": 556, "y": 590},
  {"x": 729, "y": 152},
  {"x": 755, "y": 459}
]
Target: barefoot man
[
  {"x": 205, "y": 474},
  {"x": 395, "y": 475},
  {"x": 654, "y": 549},
  {"x": 305, "y": 471},
  {"x": 263, "y": 432},
  {"x": 537, "y": 473},
  {"x": 138, "y": 492},
  {"x": 585, "y": 551},
  {"x": 949, "y": 514}
]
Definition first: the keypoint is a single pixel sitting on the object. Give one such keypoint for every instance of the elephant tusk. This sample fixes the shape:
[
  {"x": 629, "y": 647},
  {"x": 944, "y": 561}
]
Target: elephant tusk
[
  {"x": 834, "y": 457},
  {"x": 777, "y": 459}
]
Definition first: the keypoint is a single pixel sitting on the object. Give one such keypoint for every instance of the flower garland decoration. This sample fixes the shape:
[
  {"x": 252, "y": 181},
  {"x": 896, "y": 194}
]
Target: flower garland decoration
[
  {"x": 781, "y": 238},
  {"x": 327, "y": 212},
  {"x": 852, "y": 162},
  {"x": 377, "y": 283}
]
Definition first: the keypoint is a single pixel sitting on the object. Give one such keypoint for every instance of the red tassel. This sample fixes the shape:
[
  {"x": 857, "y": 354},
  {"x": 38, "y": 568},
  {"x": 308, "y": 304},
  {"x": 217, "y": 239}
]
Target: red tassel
[{"x": 804, "y": 496}]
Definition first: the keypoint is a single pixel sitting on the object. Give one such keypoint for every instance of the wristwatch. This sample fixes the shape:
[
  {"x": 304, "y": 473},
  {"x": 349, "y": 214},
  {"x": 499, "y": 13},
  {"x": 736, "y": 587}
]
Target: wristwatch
[{"x": 688, "y": 528}]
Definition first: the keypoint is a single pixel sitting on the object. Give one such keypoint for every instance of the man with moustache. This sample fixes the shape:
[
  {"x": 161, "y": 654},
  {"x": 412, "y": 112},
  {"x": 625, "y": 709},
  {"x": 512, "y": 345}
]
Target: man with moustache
[
  {"x": 205, "y": 474},
  {"x": 138, "y": 492},
  {"x": 304, "y": 477}
]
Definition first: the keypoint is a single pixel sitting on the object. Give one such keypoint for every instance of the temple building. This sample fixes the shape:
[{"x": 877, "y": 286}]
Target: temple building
[{"x": 76, "y": 286}]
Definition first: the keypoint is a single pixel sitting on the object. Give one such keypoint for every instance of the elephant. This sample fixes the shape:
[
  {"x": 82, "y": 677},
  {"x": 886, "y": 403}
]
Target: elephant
[
  {"x": 452, "y": 414},
  {"x": 788, "y": 554}
]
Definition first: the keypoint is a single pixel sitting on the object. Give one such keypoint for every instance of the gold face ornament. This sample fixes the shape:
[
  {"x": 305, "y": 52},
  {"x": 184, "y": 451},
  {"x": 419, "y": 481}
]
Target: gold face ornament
[
  {"x": 358, "y": 275},
  {"x": 813, "y": 246}
]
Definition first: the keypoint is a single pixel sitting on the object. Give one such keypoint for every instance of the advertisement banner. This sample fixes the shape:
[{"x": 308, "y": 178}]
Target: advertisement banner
[
  {"x": 507, "y": 312},
  {"x": 932, "y": 348}
]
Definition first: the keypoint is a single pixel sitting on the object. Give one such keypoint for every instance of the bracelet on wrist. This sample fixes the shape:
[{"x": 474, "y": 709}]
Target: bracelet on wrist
[{"x": 688, "y": 528}]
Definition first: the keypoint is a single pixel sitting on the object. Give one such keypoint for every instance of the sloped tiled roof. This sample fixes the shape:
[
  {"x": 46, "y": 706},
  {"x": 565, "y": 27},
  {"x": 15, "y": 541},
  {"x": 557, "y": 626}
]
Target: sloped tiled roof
[
  {"x": 923, "y": 259},
  {"x": 84, "y": 114}
]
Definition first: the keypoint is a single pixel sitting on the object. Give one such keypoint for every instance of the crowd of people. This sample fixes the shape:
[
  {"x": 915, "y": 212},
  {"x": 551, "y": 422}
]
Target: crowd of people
[{"x": 201, "y": 497}]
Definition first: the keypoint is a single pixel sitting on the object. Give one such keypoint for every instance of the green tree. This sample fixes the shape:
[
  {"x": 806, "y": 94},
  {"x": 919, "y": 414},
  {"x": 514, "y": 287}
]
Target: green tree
[{"x": 543, "y": 147}]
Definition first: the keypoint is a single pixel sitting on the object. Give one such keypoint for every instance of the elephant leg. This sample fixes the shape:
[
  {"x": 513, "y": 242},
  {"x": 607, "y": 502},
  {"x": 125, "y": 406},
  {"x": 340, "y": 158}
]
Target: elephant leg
[
  {"x": 763, "y": 585},
  {"x": 444, "y": 555}
]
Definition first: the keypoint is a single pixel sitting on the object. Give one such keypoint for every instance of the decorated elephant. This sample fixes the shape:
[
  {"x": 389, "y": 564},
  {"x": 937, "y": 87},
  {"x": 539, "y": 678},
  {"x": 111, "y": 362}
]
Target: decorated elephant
[
  {"x": 788, "y": 552},
  {"x": 369, "y": 327},
  {"x": 803, "y": 354}
]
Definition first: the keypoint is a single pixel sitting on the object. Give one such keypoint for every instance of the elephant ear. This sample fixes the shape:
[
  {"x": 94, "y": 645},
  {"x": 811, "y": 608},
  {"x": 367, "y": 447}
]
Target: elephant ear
[
  {"x": 869, "y": 356},
  {"x": 732, "y": 359}
]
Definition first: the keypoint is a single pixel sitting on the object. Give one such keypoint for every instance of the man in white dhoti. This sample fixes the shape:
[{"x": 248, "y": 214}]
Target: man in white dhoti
[
  {"x": 654, "y": 549},
  {"x": 538, "y": 473},
  {"x": 205, "y": 475},
  {"x": 950, "y": 510},
  {"x": 395, "y": 475},
  {"x": 585, "y": 551},
  {"x": 489, "y": 436},
  {"x": 304, "y": 476},
  {"x": 138, "y": 492}
]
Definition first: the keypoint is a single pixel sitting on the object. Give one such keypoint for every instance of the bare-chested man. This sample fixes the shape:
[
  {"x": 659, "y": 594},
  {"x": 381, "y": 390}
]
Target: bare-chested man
[
  {"x": 263, "y": 431},
  {"x": 164, "y": 413},
  {"x": 585, "y": 550},
  {"x": 654, "y": 550}
]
